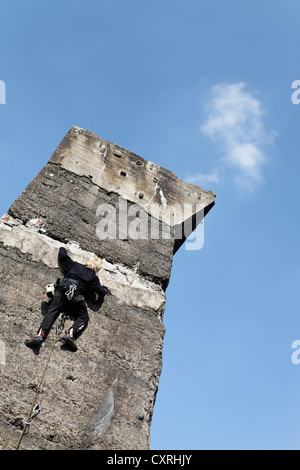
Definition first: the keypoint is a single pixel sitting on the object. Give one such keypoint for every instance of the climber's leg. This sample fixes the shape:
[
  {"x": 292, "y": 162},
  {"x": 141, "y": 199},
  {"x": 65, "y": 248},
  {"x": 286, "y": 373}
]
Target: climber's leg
[
  {"x": 56, "y": 307},
  {"x": 54, "y": 310},
  {"x": 82, "y": 318}
]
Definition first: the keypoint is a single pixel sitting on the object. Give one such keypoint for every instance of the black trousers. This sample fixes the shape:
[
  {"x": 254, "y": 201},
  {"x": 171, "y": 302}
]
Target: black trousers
[{"x": 76, "y": 310}]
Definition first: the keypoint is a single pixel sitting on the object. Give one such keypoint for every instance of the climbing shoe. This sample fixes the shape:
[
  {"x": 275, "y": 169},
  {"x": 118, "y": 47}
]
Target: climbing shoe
[
  {"x": 35, "y": 341},
  {"x": 69, "y": 341}
]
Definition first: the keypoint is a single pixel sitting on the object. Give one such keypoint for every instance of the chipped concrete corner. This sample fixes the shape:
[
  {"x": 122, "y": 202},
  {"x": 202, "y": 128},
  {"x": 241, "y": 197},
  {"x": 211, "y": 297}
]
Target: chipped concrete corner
[{"x": 102, "y": 396}]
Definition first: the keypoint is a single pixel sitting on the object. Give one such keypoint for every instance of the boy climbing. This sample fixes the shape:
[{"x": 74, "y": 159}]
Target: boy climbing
[{"x": 80, "y": 281}]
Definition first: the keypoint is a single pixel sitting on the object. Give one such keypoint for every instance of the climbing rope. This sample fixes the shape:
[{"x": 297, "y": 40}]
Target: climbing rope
[{"x": 35, "y": 409}]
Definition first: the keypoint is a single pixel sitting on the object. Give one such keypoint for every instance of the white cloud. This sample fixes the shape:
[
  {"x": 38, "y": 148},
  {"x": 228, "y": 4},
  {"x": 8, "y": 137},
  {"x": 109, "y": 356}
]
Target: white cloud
[
  {"x": 201, "y": 179},
  {"x": 235, "y": 123}
]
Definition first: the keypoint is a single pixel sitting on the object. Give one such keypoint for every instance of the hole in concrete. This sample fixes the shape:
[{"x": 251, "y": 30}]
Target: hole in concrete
[{"x": 71, "y": 377}]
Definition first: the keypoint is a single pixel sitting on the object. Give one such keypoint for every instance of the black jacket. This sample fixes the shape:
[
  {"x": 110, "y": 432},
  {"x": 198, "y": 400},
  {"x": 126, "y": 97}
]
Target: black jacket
[{"x": 87, "y": 278}]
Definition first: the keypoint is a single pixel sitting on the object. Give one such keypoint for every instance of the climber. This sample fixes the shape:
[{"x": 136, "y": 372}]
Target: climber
[{"x": 80, "y": 281}]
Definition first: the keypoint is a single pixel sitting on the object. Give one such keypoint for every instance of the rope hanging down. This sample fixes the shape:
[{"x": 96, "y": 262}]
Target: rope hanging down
[{"x": 35, "y": 409}]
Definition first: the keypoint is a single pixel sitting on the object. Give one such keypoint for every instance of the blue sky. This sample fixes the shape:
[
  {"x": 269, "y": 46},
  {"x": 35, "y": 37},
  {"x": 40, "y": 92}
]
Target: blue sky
[{"x": 202, "y": 87}]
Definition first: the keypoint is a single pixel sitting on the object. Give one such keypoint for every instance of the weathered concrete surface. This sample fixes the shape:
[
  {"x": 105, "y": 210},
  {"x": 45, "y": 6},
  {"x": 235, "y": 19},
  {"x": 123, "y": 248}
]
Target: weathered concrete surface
[{"x": 102, "y": 396}]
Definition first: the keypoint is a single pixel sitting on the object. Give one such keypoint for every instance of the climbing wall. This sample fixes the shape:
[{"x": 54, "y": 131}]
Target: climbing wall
[{"x": 95, "y": 198}]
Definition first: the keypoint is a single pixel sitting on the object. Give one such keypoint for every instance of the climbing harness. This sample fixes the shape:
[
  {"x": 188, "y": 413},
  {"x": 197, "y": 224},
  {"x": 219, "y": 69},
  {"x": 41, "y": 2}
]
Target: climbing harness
[{"x": 35, "y": 408}]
